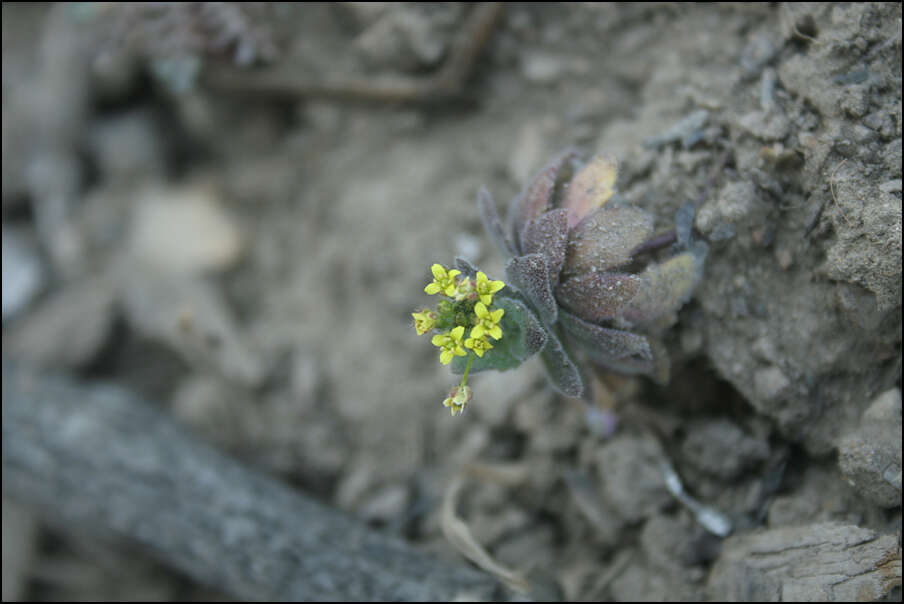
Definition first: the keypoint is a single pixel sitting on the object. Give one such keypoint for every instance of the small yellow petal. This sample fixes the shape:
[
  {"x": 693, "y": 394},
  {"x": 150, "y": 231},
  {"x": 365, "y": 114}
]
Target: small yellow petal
[
  {"x": 495, "y": 332},
  {"x": 495, "y": 286},
  {"x": 477, "y": 331},
  {"x": 432, "y": 288},
  {"x": 496, "y": 315},
  {"x": 445, "y": 357},
  {"x": 480, "y": 310},
  {"x": 438, "y": 271},
  {"x": 457, "y": 333}
]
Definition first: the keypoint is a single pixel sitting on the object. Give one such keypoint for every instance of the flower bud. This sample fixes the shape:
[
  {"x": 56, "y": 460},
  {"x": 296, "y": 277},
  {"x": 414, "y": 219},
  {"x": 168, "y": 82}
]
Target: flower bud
[{"x": 458, "y": 398}]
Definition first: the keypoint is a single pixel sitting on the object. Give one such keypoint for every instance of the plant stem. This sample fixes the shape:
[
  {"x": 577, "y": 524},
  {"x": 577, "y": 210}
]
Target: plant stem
[{"x": 464, "y": 378}]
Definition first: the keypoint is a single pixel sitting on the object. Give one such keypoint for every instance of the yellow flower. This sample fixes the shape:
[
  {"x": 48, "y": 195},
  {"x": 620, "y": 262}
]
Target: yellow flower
[
  {"x": 478, "y": 345},
  {"x": 487, "y": 322},
  {"x": 465, "y": 289},
  {"x": 486, "y": 288},
  {"x": 450, "y": 343},
  {"x": 443, "y": 281},
  {"x": 424, "y": 321},
  {"x": 458, "y": 398}
]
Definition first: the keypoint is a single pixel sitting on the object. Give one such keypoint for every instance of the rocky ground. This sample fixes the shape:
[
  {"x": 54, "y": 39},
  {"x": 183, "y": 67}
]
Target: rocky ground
[{"x": 232, "y": 210}]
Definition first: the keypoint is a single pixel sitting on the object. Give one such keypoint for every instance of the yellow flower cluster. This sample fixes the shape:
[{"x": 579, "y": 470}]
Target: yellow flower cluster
[
  {"x": 467, "y": 305},
  {"x": 477, "y": 295}
]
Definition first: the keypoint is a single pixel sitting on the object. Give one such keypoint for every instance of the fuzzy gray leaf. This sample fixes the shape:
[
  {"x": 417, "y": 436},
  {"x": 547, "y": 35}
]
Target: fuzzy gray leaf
[
  {"x": 529, "y": 275},
  {"x": 667, "y": 286},
  {"x": 603, "y": 343},
  {"x": 596, "y": 297},
  {"x": 467, "y": 269},
  {"x": 605, "y": 238},
  {"x": 561, "y": 369},
  {"x": 493, "y": 224},
  {"x": 538, "y": 197},
  {"x": 548, "y": 235}
]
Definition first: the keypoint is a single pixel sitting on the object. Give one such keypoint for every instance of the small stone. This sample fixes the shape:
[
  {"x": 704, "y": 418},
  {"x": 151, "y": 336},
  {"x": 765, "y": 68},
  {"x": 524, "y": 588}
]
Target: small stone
[
  {"x": 184, "y": 230},
  {"x": 69, "y": 328},
  {"x": 885, "y": 408},
  {"x": 891, "y": 186},
  {"x": 192, "y": 318},
  {"x": 769, "y": 383},
  {"x": 630, "y": 474},
  {"x": 870, "y": 457},
  {"x": 721, "y": 449},
  {"x": 20, "y": 540},
  {"x": 767, "y": 126},
  {"x": 127, "y": 147},
  {"x": 23, "y": 273},
  {"x": 385, "y": 505},
  {"x": 892, "y": 157},
  {"x": 784, "y": 257},
  {"x": 541, "y": 68}
]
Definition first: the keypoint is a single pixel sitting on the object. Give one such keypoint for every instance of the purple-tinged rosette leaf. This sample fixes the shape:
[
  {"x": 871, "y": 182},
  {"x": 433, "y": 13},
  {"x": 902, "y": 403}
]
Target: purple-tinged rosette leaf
[
  {"x": 529, "y": 275},
  {"x": 538, "y": 197},
  {"x": 605, "y": 238},
  {"x": 548, "y": 235},
  {"x": 666, "y": 287},
  {"x": 493, "y": 224},
  {"x": 562, "y": 371},
  {"x": 596, "y": 297},
  {"x": 658, "y": 367},
  {"x": 590, "y": 188},
  {"x": 522, "y": 337},
  {"x": 604, "y": 344}
]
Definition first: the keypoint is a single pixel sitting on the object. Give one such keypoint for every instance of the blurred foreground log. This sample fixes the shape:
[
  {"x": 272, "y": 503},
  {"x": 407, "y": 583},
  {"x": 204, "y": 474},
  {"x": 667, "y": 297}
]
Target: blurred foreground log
[{"x": 99, "y": 459}]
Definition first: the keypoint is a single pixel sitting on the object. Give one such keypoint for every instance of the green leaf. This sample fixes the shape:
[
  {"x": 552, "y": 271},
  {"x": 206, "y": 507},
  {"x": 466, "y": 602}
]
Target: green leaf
[{"x": 522, "y": 337}]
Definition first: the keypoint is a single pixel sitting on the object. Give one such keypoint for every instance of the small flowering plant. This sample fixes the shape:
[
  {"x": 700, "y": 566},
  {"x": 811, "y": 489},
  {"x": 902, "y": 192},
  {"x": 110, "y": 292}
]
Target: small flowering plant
[
  {"x": 468, "y": 324},
  {"x": 583, "y": 284}
]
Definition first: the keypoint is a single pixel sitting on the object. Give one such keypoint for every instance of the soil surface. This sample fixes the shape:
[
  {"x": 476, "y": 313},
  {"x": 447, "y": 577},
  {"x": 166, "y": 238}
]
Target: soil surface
[{"x": 232, "y": 210}]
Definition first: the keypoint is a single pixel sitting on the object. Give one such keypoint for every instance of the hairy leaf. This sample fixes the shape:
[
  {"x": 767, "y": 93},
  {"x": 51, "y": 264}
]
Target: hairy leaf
[
  {"x": 529, "y": 275},
  {"x": 522, "y": 337},
  {"x": 562, "y": 371},
  {"x": 492, "y": 223},
  {"x": 605, "y": 239},
  {"x": 467, "y": 269},
  {"x": 603, "y": 343},
  {"x": 548, "y": 235},
  {"x": 596, "y": 297},
  {"x": 666, "y": 287},
  {"x": 538, "y": 197},
  {"x": 590, "y": 188}
]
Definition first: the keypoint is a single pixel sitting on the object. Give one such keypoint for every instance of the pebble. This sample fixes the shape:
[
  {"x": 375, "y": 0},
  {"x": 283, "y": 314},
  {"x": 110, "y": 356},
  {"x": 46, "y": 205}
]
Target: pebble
[
  {"x": 770, "y": 382},
  {"x": 541, "y": 68},
  {"x": 23, "y": 273},
  {"x": 870, "y": 456},
  {"x": 184, "y": 230}
]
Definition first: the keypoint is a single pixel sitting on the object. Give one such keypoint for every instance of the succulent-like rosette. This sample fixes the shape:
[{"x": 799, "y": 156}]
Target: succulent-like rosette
[{"x": 582, "y": 266}]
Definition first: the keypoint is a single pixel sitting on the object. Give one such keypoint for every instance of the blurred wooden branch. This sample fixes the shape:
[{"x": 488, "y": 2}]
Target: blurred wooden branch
[
  {"x": 447, "y": 83},
  {"x": 97, "y": 458}
]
